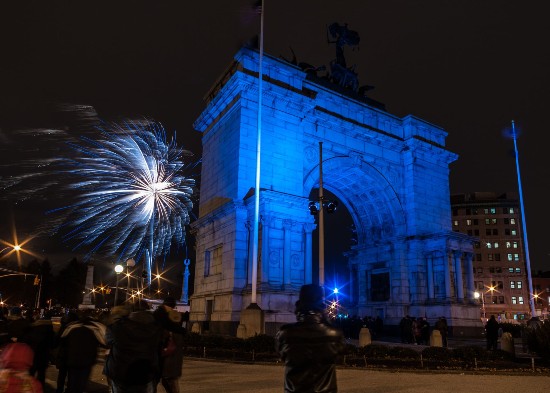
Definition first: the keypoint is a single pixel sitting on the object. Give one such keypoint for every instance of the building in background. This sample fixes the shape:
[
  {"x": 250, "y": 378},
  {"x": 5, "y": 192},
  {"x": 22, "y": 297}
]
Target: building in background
[
  {"x": 500, "y": 276},
  {"x": 541, "y": 289}
]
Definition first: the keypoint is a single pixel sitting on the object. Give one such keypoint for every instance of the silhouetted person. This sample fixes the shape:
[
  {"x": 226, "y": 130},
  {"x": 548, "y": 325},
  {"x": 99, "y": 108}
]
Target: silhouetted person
[
  {"x": 41, "y": 339},
  {"x": 170, "y": 362},
  {"x": 310, "y": 346},
  {"x": 443, "y": 328},
  {"x": 491, "y": 331},
  {"x": 80, "y": 340},
  {"x": 133, "y": 360}
]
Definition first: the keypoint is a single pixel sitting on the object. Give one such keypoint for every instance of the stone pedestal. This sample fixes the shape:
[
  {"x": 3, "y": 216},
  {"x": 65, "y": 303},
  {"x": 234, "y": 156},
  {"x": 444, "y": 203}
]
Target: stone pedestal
[
  {"x": 196, "y": 328},
  {"x": 252, "y": 321},
  {"x": 435, "y": 339},
  {"x": 364, "y": 337},
  {"x": 507, "y": 343}
]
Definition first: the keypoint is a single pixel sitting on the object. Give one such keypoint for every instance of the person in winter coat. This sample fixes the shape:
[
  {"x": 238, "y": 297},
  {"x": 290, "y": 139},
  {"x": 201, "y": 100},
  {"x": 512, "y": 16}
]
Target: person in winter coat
[
  {"x": 80, "y": 341},
  {"x": 15, "y": 361},
  {"x": 41, "y": 338},
  {"x": 491, "y": 329},
  {"x": 133, "y": 361},
  {"x": 60, "y": 351},
  {"x": 170, "y": 363},
  {"x": 310, "y": 346}
]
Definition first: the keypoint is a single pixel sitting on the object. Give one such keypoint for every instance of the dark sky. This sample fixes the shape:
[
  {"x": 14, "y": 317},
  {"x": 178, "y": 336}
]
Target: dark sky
[{"x": 469, "y": 66}]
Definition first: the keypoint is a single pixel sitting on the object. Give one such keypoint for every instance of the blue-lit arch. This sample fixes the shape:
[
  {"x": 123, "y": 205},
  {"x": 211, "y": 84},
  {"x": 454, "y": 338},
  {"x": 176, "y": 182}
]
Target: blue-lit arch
[{"x": 369, "y": 196}]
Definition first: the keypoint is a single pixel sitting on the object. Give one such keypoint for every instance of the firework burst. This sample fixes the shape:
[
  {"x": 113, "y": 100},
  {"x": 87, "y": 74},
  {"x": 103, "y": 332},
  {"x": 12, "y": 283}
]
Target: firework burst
[{"x": 132, "y": 199}]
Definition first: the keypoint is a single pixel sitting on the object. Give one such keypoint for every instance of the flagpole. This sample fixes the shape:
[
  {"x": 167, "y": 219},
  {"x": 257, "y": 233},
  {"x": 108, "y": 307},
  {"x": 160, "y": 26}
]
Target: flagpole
[{"x": 253, "y": 299}]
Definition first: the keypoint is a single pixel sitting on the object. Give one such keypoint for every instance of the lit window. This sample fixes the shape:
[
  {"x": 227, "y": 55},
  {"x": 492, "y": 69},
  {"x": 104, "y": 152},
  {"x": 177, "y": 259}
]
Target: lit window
[
  {"x": 508, "y": 244},
  {"x": 510, "y": 257},
  {"x": 487, "y": 221},
  {"x": 510, "y": 270},
  {"x": 489, "y": 245},
  {"x": 520, "y": 299},
  {"x": 512, "y": 221},
  {"x": 493, "y": 210},
  {"x": 519, "y": 284},
  {"x": 518, "y": 270},
  {"x": 515, "y": 244},
  {"x": 516, "y": 257},
  {"x": 490, "y": 257},
  {"x": 514, "y": 232},
  {"x": 512, "y": 284},
  {"x": 495, "y": 245},
  {"x": 468, "y": 222},
  {"x": 486, "y": 211},
  {"x": 514, "y": 300},
  {"x": 493, "y": 220},
  {"x": 511, "y": 210},
  {"x": 455, "y": 223}
]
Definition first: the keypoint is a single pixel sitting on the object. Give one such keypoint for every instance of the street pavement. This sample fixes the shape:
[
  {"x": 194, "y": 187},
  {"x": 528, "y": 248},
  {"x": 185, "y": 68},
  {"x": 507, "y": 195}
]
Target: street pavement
[{"x": 205, "y": 376}]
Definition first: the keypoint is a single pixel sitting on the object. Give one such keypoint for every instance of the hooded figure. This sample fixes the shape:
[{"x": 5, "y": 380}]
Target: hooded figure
[
  {"x": 310, "y": 346},
  {"x": 16, "y": 360}
]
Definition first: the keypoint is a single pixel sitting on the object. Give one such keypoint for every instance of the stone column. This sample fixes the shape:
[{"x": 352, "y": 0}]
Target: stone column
[
  {"x": 430, "y": 275},
  {"x": 470, "y": 275},
  {"x": 264, "y": 273},
  {"x": 458, "y": 275},
  {"x": 287, "y": 228},
  {"x": 308, "y": 265},
  {"x": 447, "y": 275}
]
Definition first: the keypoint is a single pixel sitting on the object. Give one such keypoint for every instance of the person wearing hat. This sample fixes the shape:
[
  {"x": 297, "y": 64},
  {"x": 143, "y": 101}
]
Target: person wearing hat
[{"x": 310, "y": 346}]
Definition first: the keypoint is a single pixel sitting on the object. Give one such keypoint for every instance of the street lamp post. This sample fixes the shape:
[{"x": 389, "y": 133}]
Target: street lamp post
[
  {"x": 118, "y": 270},
  {"x": 477, "y": 295}
]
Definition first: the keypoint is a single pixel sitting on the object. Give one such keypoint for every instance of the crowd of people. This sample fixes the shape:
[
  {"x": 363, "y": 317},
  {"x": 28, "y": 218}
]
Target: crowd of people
[
  {"x": 143, "y": 348},
  {"x": 418, "y": 330}
]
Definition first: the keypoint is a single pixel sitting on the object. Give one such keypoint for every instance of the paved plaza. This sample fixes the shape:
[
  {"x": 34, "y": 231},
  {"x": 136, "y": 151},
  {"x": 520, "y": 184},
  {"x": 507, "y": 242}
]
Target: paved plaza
[{"x": 204, "y": 376}]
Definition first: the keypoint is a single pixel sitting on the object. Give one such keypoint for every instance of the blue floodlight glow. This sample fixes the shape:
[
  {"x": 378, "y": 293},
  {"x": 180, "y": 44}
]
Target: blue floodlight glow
[
  {"x": 335, "y": 290},
  {"x": 132, "y": 197}
]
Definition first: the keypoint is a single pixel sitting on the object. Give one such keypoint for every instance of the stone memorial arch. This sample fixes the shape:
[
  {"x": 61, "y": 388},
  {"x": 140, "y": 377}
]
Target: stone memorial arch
[{"x": 391, "y": 173}]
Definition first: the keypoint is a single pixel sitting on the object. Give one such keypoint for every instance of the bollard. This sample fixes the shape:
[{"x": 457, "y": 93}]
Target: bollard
[
  {"x": 435, "y": 339},
  {"x": 241, "y": 331},
  {"x": 507, "y": 343},
  {"x": 364, "y": 337}
]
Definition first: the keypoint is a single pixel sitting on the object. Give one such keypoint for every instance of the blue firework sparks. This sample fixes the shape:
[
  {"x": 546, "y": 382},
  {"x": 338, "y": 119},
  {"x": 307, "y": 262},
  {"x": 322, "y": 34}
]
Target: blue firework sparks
[{"x": 132, "y": 198}]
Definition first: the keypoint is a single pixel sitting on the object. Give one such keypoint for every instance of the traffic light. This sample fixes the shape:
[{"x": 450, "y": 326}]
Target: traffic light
[{"x": 36, "y": 280}]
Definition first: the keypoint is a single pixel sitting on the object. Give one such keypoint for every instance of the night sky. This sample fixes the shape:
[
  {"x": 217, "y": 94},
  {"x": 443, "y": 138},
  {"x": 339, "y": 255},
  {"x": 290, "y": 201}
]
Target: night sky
[{"x": 469, "y": 66}]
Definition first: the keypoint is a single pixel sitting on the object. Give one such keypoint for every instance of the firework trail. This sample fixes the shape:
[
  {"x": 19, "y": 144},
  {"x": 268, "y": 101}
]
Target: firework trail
[{"x": 132, "y": 199}]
